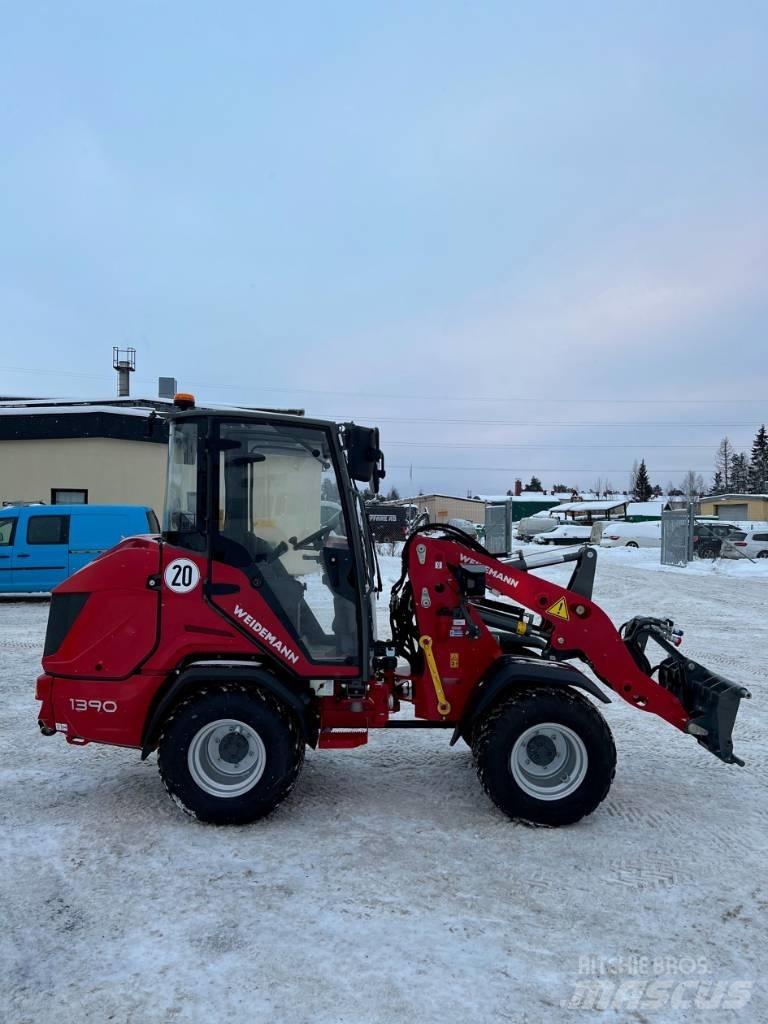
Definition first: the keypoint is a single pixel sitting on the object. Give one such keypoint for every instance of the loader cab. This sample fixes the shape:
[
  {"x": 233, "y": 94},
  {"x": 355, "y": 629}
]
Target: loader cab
[{"x": 270, "y": 499}]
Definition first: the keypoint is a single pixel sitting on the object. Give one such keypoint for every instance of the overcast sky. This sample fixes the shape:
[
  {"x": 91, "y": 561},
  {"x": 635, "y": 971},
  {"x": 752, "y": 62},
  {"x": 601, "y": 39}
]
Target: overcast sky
[{"x": 521, "y": 237}]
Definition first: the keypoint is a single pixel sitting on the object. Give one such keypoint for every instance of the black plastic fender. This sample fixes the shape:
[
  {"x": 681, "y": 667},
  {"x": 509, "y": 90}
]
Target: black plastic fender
[
  {"x": 192, "y": 678},
  {"x": 511, "y": 672}
]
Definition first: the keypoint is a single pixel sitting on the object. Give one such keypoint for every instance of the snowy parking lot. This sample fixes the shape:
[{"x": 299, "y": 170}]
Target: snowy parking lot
[{"x": 388, "y": 888}]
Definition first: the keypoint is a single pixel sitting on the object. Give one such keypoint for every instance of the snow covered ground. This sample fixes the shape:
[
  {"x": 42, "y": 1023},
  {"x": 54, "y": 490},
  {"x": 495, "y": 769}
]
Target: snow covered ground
[{"x": 388, "y": 888}]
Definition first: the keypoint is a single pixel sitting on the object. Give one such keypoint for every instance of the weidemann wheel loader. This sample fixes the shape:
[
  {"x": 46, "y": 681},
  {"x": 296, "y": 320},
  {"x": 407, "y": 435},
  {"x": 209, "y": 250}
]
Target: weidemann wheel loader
[{"x": 247, "y": 631}]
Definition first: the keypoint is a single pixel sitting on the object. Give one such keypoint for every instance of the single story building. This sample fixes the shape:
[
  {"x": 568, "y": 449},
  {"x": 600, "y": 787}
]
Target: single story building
[
  {"x": 83, "y": 453},
  {"x": 741, "y": 507},
  {"x": 66, "y": 451},
  {"x": 525, "y": 504},
  {"x": 442, "y": 507}
]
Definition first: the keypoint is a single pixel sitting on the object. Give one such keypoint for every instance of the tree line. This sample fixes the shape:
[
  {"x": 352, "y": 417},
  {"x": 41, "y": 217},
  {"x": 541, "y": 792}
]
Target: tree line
[{"x": 738, "y": 472}]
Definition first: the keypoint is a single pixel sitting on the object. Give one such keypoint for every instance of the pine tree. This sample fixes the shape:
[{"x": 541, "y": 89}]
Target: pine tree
[
  {"x": 643, "y": 489},
  {"x": 758, "y": 466},
  {"x": 717, "y": 483},
  {"x": 633, "y": 477},
  {"x": 534, "y": 485},
  {"x": 739, "y": 473}
]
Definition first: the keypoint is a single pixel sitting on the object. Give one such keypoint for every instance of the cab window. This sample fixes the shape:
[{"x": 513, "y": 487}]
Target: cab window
[
  {"x": 7, "y": 530},
  {"x": 48, "y": 530}
]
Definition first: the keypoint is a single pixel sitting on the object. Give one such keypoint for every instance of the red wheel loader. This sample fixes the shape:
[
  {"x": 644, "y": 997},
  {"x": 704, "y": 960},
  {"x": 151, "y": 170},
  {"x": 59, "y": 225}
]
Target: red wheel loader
[{"x": 246, "y": 631}]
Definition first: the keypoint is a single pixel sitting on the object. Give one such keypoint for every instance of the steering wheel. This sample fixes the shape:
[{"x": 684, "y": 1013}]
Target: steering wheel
[{"x": 312, "y": 539}]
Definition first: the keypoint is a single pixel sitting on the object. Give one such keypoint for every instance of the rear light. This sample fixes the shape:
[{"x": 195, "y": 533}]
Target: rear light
[
  {"x": 612, "y": 536},
  {"x": 739, "y": 543}
]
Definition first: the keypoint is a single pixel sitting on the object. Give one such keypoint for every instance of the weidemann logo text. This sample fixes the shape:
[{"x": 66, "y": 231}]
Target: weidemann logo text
[{"x": 264, "y": 634}]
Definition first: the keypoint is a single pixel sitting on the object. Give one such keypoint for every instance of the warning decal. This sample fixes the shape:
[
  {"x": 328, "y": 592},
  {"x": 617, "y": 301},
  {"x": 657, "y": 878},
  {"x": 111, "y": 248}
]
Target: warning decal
[{"x": 559, "y": 609}]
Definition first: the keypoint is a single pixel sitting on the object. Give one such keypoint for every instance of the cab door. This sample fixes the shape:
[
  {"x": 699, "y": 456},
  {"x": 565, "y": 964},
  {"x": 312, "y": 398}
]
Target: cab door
[
  {"x": 41, "y": 552},
  {"x": 284, "y": 570}
]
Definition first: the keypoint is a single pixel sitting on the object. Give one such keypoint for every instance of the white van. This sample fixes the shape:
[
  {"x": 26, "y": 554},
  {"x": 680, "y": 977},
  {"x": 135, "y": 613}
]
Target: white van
[{"x": 631, "y": 535}]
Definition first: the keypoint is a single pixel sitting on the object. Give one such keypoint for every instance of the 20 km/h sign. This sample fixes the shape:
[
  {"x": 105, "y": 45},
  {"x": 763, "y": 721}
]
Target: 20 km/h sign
[{"x": 181, "y": 575}]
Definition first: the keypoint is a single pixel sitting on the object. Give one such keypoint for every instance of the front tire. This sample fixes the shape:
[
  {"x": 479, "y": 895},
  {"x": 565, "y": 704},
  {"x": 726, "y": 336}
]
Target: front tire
[
  {"x": 545, "y": 756},
  {"x": 632, "y": 544},
  {"x": 229, "y": 756}
]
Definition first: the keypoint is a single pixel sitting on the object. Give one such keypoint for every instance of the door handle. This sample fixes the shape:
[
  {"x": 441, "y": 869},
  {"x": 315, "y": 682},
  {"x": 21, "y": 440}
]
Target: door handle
[
  {"x": 22, "y": 556},
  {"x": 5, "y": 556}
]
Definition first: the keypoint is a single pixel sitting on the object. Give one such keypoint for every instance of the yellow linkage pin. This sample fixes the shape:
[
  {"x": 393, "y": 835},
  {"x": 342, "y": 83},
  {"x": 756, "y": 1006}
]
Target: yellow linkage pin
[{"x": 443, "y": 707}]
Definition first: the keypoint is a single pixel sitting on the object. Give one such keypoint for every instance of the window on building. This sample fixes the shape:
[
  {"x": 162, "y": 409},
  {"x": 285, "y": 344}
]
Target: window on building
[
  {"x": 7, "y": 530},
  {"x": 48, "y": 530},
  {"x": 69, "y": 496}
]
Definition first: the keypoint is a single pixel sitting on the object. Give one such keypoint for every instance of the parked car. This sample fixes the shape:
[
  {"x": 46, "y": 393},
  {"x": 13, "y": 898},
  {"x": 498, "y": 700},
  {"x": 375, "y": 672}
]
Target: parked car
[
  {"x": 631, "y": 535},
  {"x": 753, "y": 544},
  {"x": 542, "y": 522},
  {"x": 464, "y": 524},
  {"x": 708, "y": 537},
  {"x": 41, "y": 545},
  {"x": 567, "y": 533}
]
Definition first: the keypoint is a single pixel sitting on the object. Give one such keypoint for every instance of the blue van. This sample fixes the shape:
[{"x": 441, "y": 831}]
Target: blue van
[{"x": 41, "y": 545}]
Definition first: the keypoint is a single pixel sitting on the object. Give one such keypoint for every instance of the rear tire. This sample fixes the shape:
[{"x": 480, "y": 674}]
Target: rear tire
[
  {"x": 229, "y": 756},
  {"x": 632, "y": 544},
  {"x": 545, "y": 756}
]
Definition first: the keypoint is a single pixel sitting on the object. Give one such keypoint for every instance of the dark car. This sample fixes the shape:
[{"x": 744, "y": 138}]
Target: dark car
[{"x": 708, "y": 538}]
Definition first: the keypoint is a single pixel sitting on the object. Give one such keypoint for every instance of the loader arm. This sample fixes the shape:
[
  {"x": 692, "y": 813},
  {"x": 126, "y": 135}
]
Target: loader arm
[{"x": 570, "y": 625}]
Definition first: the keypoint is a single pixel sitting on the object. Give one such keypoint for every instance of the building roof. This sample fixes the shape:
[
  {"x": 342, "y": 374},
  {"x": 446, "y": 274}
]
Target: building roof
[
  {"x": 590, "y": 506},
  {"x": 647, "y": 508},
  {"x": 451, "y": 497},
  {"x": 734, "y": 497},
  {"x": 529, "y": 496},
  {"x": 58, "y": 423},
  {"x": 124, "y": 404}
]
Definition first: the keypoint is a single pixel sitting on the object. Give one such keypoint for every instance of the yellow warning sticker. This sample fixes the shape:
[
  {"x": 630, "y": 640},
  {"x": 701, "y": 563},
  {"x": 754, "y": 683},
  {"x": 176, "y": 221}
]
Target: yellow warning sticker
[
  {"x": 559, "y": 609},
  {"x": 454, "y": 659}
]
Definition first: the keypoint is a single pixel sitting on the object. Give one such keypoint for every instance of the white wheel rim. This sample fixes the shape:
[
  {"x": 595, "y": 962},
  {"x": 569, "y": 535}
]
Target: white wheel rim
[
  {"x": 226, "y": 758},
  {"x": 549, "y": 761}
]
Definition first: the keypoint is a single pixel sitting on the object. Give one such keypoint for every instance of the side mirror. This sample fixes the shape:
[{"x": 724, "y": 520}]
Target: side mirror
[{"x": 364, "y": 456}]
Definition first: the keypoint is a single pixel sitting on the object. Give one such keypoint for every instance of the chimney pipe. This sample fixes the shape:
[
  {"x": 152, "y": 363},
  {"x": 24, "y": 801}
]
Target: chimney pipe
[{"x": 124, "y": 361}]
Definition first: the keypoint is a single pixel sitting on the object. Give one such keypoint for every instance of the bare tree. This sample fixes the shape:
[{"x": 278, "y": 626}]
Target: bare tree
[
  {"x": 688, "y": 485},
  {"x": 633, "y": 477},
  {"x": 723, "y": 457}
]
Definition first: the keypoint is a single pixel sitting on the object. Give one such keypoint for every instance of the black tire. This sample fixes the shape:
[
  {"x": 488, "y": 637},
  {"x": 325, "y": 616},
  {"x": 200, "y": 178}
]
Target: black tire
[
  {"x": 274, "y": 747},
  {"x": 631, "y": 544},
  {"x": 762, "y": 554},
  {"x": 519, "y": 713}
]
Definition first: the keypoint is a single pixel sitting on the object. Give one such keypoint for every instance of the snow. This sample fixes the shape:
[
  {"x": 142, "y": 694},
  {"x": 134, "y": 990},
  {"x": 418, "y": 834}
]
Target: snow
[
  {"x": 72, "y": 410},
  {"x": 591, "y": 506},
  {"x": 646, "y": 508},
  {"x": 387, "y": 888}
]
